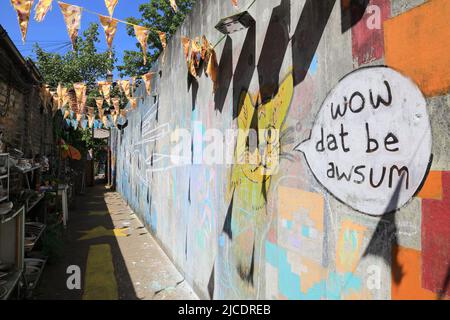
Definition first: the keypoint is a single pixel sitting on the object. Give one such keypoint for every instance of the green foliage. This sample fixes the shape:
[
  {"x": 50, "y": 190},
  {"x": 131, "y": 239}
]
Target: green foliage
[
  {"x": 84, "y": 64},
  {"x": 157, "y": 15},
  {"x": 97, "y": 145}
]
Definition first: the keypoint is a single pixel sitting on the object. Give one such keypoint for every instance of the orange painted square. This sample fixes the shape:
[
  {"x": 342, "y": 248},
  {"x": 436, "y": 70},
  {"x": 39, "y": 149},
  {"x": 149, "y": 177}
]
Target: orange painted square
[
  {"x": 417, "y": 43},
  {"x": 409, "y": 264},
  {"x": 290, "y": 200},
  {"x": 432, "y": 188}
]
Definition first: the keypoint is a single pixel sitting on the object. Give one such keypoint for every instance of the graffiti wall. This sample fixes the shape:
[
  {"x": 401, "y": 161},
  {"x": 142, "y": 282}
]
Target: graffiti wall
[{"x": 319, "y": 168}]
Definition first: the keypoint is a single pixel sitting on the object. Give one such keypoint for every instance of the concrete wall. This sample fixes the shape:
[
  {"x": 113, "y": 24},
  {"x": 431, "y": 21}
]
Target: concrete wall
[{"x": 298, "y": 233}]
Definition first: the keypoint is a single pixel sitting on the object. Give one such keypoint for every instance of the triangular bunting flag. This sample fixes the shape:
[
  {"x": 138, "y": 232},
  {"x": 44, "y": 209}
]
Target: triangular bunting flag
[
  {"x": 142, "y": 36},
  {"x": 66, "y": 99},
  {"x": 111, "y": 5},
  {"x": 110, "y": 27},
  {"x": 72, "y": 17},
  {"x": 173, "y": 4},
  {"x": 23, "y": 9},
  {"x": 133, "y": 103},
  {"x": 55, "y": 103},
  {"x": 196, "y": 51},
  {"x": 212, "y": 69},
  {"x": 124, "y": 86},
  {"x": 63, "y": 96},
  {"x": 116, "y": 104},
  {"x": 194, "y": 62},
  {"x": 205, "y": 47},
  {"x": 163, "y": 39},
  {"x": 91, "y": 119},
  {"x": 105, "y": 89},
  {"x": 41, "y": 9},
  {"x": 82, "y": 107},
  {"x": 186, "y": 42},
  {"x": 80, "y": 92},
  {"x": 148, "y": 82},
  {"x": 59, "y": 89},
  {"x": 99, "y": 102}
]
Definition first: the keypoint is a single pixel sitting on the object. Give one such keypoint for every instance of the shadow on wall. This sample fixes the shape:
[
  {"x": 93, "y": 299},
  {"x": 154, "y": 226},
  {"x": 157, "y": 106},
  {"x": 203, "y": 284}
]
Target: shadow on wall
[
  {"x": 225, "y": 74},
  {"x": 305, "y": 41},
  {"x": 445, "y": 285},
  {"x": 352, "y": 11},
  {"x": 245, "y": 69},
  {"x": 388, "y": 251},
  {"x": 273, "y": 51},
  {"x": 387, "y": 226}
]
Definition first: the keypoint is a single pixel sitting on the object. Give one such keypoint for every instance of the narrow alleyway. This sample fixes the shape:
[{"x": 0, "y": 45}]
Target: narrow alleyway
[{"x": 118, "y": 258}]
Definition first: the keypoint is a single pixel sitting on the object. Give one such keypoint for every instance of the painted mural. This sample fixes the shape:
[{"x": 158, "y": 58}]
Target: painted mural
[{"x": 361, "y": 88}]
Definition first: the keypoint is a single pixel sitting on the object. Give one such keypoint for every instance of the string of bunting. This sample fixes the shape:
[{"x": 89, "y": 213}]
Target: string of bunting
[
  {"x": 72, "y": 18},
  {"x": 77, "y": 114},
  {"x": 74, "y": 108}
]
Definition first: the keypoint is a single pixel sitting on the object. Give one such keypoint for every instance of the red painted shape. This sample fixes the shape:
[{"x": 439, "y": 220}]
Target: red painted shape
[
  {"x": 367, "y": 43},
  {"x": 436, "y": 240}
]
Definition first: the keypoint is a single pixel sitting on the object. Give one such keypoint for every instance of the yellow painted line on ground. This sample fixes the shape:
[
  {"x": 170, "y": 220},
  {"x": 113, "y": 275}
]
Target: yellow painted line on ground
[
  {"x": 103, "y": 232},
  {"x": 100, "y": 281},
  {"x": 97, "y": 213}
]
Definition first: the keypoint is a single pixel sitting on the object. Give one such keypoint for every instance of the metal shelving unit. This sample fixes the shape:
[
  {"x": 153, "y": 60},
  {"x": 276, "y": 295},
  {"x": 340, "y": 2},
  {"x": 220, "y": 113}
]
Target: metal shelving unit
[
  {"x": 11, "y": 283},
  {"x": 35, "y": 228},
  {"x": 12, "y": 250},
  {"x": 4, "y": 166},
  {"x": 19, "y": 238},
  {"x": 26, "y": 171},
  {"x": 33, "y": 271}
]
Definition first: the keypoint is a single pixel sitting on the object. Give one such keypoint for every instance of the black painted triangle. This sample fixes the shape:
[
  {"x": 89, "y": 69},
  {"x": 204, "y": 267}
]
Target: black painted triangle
[
  {"x": 247, "y": 274},
  {"x": 211, "y": 285},
  {"x": 227, "y": 225}
]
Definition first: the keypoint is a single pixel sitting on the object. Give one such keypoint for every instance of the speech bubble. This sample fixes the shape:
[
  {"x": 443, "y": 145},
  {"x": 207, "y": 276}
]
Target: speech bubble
[{"x": 370, "y": 145}]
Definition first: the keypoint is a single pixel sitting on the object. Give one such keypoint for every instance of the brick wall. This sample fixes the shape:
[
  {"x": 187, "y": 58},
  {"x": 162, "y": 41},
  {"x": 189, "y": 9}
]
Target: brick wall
[{"x": 24, "y": 120}]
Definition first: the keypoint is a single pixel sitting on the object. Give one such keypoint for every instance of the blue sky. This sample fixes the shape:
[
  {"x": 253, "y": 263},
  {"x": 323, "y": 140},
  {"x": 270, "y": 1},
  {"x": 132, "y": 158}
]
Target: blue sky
[{"x": 52, "y": 35}]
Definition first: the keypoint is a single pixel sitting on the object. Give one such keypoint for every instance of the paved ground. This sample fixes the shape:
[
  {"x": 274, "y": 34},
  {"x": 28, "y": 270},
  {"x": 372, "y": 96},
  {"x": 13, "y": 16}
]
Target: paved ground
[{"x": 118, "y": 258}]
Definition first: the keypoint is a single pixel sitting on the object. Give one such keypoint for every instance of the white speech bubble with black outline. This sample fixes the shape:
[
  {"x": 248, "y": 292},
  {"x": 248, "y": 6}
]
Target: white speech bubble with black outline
[{"x": 370, "y": 145}]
